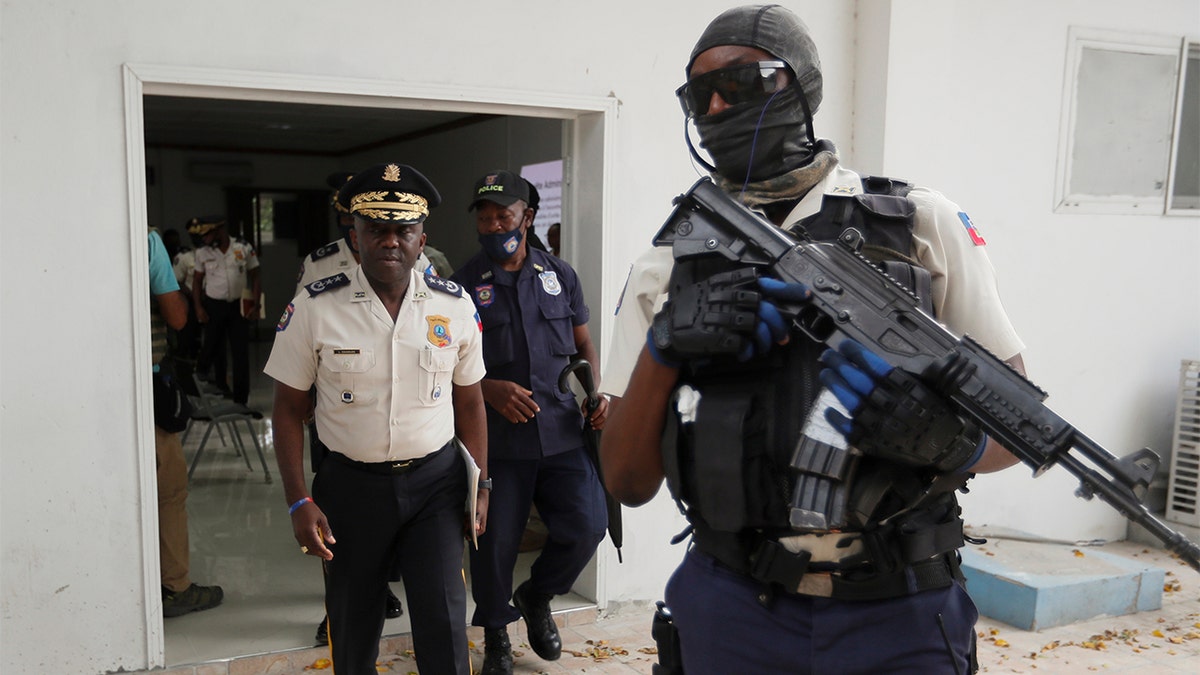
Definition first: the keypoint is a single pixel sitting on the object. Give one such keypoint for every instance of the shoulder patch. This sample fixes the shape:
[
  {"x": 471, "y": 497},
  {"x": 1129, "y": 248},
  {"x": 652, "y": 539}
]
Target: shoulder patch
[
  {"x": 325, "y": 251},
  {"x": 443, "y": 285},
  {"x": 321, "y": 285}
]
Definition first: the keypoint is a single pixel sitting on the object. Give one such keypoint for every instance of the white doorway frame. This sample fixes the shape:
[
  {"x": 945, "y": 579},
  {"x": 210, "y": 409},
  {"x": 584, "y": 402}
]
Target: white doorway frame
[{"x": 589, "y": 125}]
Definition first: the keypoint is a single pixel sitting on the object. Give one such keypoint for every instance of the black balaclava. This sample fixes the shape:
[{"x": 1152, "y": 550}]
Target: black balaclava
[{"x": 763, "y": 139}]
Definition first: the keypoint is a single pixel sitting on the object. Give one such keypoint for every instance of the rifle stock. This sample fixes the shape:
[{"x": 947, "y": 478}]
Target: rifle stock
[{"x": 853, "y": 299}]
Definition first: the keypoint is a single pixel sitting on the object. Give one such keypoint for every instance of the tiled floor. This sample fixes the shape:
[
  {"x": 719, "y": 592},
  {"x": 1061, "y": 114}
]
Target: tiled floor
[{"x": 241, "y": 539}]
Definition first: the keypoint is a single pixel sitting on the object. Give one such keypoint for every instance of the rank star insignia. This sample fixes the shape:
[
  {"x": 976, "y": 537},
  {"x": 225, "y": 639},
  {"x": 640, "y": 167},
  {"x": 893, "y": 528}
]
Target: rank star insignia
[{"x": 439, "y": 330}]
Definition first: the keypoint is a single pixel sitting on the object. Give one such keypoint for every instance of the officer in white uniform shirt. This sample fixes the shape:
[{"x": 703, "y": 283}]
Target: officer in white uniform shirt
[
  {"x": 396, "y": 358},
  {"x": 339, "y": 256},
  {"x": 224, "y": 268}
]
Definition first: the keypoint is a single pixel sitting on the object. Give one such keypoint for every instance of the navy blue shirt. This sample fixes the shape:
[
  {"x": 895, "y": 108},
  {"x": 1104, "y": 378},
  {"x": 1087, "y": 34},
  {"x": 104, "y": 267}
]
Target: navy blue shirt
[{"x": 529, "y": 318}]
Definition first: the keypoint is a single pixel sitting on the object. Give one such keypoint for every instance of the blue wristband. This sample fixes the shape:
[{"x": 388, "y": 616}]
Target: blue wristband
[
  {"x": 657, "y": 355},
  {"x": 966, "y": 468},
  {"x": 298, "y": 504}
]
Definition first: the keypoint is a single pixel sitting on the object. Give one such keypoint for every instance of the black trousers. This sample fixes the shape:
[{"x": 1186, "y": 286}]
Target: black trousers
[
  {"x": 226, "y": 323},
  {"x": 569, "y": 500},
  {"x": 418, "y": 518}
]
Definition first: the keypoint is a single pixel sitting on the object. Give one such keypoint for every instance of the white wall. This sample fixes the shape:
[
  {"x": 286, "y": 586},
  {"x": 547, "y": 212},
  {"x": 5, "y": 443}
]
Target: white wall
[
  {"x": 1107, "y": 305},
  {"x": 966, "y": 113}
]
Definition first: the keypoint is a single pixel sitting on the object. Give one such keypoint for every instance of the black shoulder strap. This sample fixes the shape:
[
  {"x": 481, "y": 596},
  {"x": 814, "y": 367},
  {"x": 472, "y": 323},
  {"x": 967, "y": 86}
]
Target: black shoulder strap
[
  {"x": 882, "y": 185},
  {"x": 325, "y": 251},
  {"x": 321, "y": 285},
  {"x": 443, "y": 285}
]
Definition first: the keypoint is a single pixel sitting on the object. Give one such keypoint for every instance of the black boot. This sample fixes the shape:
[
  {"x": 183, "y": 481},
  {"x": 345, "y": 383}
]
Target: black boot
[
  {"x": 497, "y": 652},
  {"x": 543, "y": 632},
  {"x": 394, "y": 608},
  {"x": 322, "y": 637}
]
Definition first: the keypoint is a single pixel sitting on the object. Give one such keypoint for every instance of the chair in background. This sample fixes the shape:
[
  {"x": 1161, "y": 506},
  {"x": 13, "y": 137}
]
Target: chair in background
[{"x": 215, "y": 412}]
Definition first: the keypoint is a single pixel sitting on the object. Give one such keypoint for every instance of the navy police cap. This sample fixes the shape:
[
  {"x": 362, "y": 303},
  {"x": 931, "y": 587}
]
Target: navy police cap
[{"x": 503, "y": 187}]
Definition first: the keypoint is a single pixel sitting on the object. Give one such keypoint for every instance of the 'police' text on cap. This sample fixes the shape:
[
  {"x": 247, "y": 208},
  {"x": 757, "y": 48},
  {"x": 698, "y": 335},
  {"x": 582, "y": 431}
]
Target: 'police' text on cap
[{"x": 503, "y": 187}]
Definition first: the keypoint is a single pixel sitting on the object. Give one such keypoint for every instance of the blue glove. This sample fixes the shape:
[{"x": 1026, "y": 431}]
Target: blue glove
[
  {"x": 772, "y": 327},
  {"x": 894, "y": 415}
]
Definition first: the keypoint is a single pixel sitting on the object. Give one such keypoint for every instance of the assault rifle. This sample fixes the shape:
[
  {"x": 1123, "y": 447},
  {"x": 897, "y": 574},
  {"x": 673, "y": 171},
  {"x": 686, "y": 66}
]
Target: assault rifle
[{"x": 853, "y": 299}]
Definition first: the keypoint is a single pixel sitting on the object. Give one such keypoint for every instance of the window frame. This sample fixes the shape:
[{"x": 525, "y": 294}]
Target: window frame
[
  {"x": 1190, "y": 51},
  {"x": 1079, "y": 39}
]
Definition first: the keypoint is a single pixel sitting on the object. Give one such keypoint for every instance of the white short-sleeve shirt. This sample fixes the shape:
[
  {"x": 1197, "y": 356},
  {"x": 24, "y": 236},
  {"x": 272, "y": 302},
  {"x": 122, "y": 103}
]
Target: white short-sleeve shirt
[
  {"x": 225, "y": 273},
  {"x": 384, "y": 389},
  {"x": 966, "y": 298}
]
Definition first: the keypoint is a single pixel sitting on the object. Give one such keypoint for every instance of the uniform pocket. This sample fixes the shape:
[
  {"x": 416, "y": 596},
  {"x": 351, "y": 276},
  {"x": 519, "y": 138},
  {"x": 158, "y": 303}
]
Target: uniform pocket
[
  {"x": 558, "y": 314},
  {"x": 350, "y": 370},
  {"x": 436, "y": 375},
  {"x": 497, "y": 339}
]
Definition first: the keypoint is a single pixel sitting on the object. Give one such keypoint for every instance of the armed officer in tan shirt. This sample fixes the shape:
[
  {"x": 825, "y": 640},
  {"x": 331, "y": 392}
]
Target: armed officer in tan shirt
[{"x": 396, "y": 358}]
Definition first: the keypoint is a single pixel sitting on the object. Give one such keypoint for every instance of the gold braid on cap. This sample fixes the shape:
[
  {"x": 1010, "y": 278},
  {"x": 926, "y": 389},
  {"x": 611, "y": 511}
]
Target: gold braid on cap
[
  {"x": 201, "y": 228},
  {"x": 386, "y": 205}
]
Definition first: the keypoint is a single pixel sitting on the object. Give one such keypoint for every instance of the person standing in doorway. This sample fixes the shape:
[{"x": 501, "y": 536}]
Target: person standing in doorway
[
  {"x": 169, "y": 309},
  {"x": 534, "y": 322},
  {"x": 224, "y": 268},
  {"x": 396, "y": 359}
]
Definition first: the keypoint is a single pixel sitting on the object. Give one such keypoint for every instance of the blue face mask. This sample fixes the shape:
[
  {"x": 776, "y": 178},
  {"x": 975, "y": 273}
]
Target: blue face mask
[{"x": 501, "y": 246}]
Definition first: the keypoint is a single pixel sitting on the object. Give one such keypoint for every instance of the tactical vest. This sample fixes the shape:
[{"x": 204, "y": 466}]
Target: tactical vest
[{"x": 741, "y": 469}]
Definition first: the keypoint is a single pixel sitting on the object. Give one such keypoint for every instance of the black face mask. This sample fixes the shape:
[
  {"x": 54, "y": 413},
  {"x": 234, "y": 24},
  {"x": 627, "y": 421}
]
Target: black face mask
[{"x": 749, "y": 144}]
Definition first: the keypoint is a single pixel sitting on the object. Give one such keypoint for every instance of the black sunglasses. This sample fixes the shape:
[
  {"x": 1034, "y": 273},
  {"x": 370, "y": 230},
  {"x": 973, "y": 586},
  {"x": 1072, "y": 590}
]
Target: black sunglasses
[{"x": 736, "y": 84}]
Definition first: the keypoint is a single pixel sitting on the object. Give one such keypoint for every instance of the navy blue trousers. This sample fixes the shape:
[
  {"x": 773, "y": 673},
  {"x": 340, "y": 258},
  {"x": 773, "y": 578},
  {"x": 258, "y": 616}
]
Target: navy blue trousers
[
  {"x": 416, "y": 518},
  {"x": 569, "y": 499},
  {"x": 723, "y": 629}
]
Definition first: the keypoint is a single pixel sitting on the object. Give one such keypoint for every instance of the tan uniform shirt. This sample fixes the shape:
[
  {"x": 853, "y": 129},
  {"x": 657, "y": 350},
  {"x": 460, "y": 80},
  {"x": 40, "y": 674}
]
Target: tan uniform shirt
[
  {"x": 383, "y": 389},
  {"x": 225, "y": 273},
  {"x": 965, "y": 296},
  {"x": 185, "y": 270}
]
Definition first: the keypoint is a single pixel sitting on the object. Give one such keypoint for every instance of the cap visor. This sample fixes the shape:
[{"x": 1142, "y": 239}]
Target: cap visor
[{"x": 502, "y": 200}]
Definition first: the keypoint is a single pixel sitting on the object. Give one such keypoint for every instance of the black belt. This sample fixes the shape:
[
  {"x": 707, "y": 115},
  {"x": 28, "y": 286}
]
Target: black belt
[
  {"x": 770, "y": 563},
  {"x": 395, "y": 468}
]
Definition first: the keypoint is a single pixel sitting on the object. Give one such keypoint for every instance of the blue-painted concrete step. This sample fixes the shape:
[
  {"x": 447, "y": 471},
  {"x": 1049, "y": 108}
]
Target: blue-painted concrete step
[{"x": 1033, "y": 585}]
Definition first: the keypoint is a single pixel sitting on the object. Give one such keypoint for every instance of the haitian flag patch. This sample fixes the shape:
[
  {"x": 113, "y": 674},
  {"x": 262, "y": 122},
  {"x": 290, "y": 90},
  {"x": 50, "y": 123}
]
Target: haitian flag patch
[
  {"x": 976, "y": 238},
  {"x": 286, "y": 318}
]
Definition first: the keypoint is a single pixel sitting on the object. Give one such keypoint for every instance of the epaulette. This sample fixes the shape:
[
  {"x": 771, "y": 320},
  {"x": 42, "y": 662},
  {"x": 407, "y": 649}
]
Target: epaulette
[
  {"x": 324, "y": 252},
  {"x": 443, "y": 285},
  {"x": 321, "y": 285}
]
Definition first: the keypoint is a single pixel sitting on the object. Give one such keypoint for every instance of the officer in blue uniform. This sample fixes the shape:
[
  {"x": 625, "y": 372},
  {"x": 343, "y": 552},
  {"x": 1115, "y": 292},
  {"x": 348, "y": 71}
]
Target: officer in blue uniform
[{"x": 534, "y": 321}]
